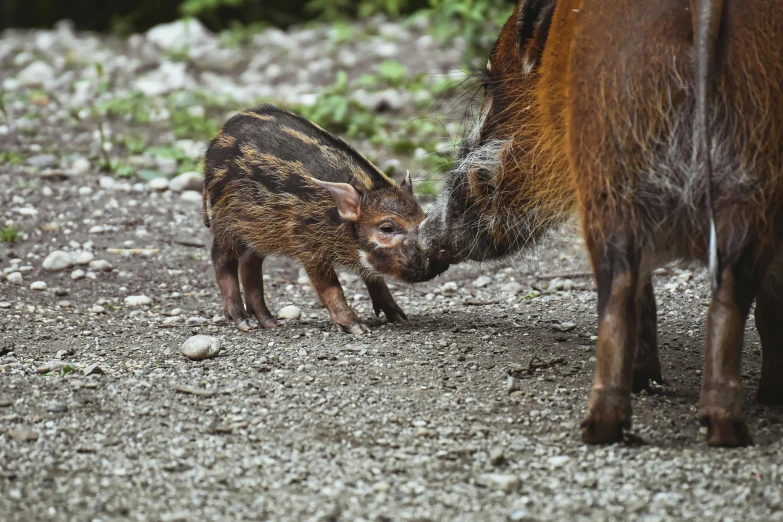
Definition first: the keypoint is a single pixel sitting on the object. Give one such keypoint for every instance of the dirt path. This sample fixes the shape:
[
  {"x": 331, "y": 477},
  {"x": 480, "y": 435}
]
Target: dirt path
[{"x": 412, "y": 422}]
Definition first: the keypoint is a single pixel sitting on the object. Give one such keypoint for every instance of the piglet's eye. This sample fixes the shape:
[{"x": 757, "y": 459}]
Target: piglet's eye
[{"x": 387, "y": 229}]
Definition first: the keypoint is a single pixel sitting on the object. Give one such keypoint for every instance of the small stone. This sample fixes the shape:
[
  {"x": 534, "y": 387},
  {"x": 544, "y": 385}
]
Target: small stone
[
  {"x": 496, "y": 456},
  {"x": 187, "y": 181},
  {"x": 505, "y": 483},
  {"x": 57, "y": 407},
  {"x": 200, "y": 347},
  {"x": 191, "y": 196},
  {"x": 23, "y": 434},
  {"x": 290, "y": 312},
  {"x": 555, "y": 284},
  {"x": 15, "y": 277},
  {"x": 64, "y": 304},
  {"x": 195, "y": 321},
  {"x": 513, "y": 384},
  {"x": 511, "y": 288},
  {"x": 158, "y": 184},
  {"x": 97, "y": 229},
  {"x": 60, "y": 291},
  {"x": 80, "y": 165},
  {"x": 172, "y": 320},
  {"x": 58, "y": 260},
  {"x": 77, "y": 274},
  {"x": 175, "y": 312},
  {"x": 5, "y": 304},
  {"x": 565, "y": 327},
  {"x": 38, "y": 285},
  {"x": 568, "y": 285},
  {"x": 42, "y": 161},
  {"x": 51, "y": 366},
  {"x": 101, "y": 265},
  {"x": 449, "y": 288},
  {"x": 482, "y": 281},
  {"x": 93, "y": 369},
  {"x": 138, "y": 300},
  {"x": 97, "y": 309},
  {"x": 82, "y": 257},
  {"x": 558, "y": 461}
]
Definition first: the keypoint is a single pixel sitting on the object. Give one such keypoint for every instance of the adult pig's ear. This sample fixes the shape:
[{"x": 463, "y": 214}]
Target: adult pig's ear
[
  {"x": 407, "y": 184},
  {"x": 346, "y": 197}
]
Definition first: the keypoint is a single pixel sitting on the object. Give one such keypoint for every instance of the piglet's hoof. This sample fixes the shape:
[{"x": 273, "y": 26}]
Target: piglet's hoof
[
  {"x": 724, "y": 429},
  {"x": 246, "y": 324},
  {"x": 269, "y": 323},
  {"x": 355, "y": 328},
  {"x": 395, "y": 315}
]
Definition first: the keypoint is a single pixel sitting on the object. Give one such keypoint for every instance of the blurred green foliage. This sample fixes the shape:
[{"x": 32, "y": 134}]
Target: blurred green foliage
[{"x": 468, "y": 18}]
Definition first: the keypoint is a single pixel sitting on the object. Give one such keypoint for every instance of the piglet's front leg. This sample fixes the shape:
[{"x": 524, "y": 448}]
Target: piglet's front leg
[
  {"x": 330, "y": 293},
  {"x": 383, "y": 300}
]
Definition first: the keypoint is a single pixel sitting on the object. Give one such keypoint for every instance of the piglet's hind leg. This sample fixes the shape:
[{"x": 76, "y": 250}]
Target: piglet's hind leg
[
  {"x": 326, "y": 284},
  {"x": 226, "y": 272},
  {"x": 250, "y": 266}
]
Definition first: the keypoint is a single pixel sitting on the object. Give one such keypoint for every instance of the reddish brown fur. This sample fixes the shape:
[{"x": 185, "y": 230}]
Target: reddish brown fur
[{"x": 597, "y": 116}]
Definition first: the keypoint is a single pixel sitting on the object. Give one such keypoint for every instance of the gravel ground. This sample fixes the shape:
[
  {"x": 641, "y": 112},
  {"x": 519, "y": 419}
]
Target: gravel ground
[{"x": 102, "y": 418}]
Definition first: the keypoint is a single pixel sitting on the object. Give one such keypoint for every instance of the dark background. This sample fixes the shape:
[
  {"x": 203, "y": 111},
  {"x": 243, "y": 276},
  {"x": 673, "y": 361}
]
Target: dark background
[{"x": 125, "y": 16}]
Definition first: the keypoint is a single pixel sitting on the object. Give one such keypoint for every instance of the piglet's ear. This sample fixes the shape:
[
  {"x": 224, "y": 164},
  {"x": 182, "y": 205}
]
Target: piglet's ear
[
  {"x": 346, "y": 197},
  {"x": 407, "y": 184}
]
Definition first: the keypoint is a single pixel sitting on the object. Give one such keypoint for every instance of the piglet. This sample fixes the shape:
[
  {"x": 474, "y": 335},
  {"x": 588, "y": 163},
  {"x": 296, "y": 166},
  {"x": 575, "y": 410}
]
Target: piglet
[{"x": 277, "y": 184}]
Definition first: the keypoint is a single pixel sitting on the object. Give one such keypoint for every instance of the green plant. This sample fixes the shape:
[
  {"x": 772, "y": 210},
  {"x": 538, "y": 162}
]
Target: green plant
[
  {"x": 8, "y": 235},
  {"x": 12, "y": 157},
  {"x": 393, "y": 72},
  {"x": 335, "y": 111},
  {"x": 200, "y": 7},
  {"x": 477, "y": 21}
]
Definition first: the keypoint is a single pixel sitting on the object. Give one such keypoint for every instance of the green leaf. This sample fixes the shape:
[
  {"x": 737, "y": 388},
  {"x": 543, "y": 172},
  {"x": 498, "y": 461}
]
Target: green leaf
[
  {"x": 148, "y": 174},
  {"x": 392, "y": 71}
]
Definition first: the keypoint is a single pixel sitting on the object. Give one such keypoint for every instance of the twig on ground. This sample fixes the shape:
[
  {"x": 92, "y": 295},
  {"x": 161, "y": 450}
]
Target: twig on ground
[
  {"x": 195, "y": 391},
  {"x": 516, "y": 370},
  {"x": 564, "y": 275}
]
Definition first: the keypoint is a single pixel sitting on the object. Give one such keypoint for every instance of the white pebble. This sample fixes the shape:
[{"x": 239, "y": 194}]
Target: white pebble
[
  {"x": 85, "y": 191},
  {"x": 482, "y": 281},
  {"x": 80, "y": 166},
  {"x": 138, "y": 300},
  {"x": 449, "y": 288},
  {"x": 77, "y": 274},
  {"x": 38, "y": 285},
  {"x": 191, "y": 196},
  {"x": 97, "y": 309},
  {"x": 97, "y": 229},
  {"x": 82, "y": 258},
  {"x": 101, "y": 265},
  {"x": 290, "y": 312},
  {"x": 5, "y": 304},
  {"x": 511, "y": 288},
  {"x": 159, "y": 184},
  {"x": 187, "y": 181},
  {"x": 200, "y": 347},
  {"x": 15, "y": 277},
  {"x": 58, "y": 260},
  {"x": 505, "y": 483}
]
